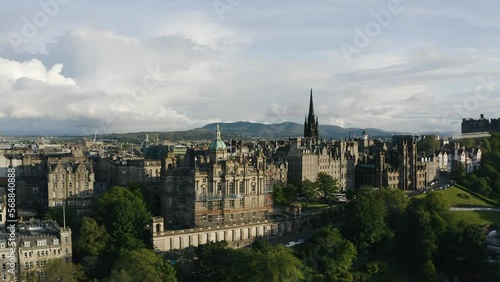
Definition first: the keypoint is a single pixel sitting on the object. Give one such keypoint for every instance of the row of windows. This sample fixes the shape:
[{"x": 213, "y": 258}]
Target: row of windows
[
  {"x": 70, "y": 185},
  {"x": 63, "y": 176}
]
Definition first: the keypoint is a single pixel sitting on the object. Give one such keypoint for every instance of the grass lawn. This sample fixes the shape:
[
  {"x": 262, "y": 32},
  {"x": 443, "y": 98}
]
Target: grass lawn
[
  {"x": 475, "y": 217},
  {"x": 457, "y": 197}
]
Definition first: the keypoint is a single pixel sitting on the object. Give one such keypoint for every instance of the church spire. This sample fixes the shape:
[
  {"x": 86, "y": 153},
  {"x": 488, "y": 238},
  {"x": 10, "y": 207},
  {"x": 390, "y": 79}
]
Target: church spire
[
  {"x": 311, "y": 122},
  {"x": 311, "y": 106}
]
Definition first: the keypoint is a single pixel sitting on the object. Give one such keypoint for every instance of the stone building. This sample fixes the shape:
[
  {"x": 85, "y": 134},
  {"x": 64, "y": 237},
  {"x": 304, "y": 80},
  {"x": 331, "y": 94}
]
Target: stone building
[
  {"x": 308, "y": 156},
  {"x": 32, "y": 167},
  {"x": 397, "y": 164},
  {"x": 71, "y": 183},
  {"x": 209, "y": 188},
  {"x": 480, "y": 125},
  {"x": 36, "y": 243},
  {"x": 125, "y": 170}
]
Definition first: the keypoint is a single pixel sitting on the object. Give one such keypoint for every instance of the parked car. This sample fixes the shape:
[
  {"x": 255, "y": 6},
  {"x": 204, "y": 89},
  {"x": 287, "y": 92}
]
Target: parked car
[
  {"x": 300, "y": 241},
  {"x": 290, "y": 244}
]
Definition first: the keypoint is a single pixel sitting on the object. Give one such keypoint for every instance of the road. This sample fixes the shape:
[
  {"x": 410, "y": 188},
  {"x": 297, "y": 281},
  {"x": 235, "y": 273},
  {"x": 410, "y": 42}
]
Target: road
[{"x": 306, "y": 235}]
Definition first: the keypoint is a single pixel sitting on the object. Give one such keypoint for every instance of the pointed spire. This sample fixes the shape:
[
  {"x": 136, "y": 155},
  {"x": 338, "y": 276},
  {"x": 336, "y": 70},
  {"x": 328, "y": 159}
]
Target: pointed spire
[
  {"x": 311, "y": 106},
  {"x": 217, "y": 133}
]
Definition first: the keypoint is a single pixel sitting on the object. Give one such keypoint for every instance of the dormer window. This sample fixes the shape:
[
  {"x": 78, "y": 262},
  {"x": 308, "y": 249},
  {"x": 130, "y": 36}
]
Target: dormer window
[{"x": 41, "y": 242}]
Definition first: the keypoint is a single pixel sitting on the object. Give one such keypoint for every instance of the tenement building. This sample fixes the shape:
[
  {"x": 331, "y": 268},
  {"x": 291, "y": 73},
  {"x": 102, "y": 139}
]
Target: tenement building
[
  {"x": 33, "y": 165},
  {"x": 70, "y": 183},
  {"x": 37, "y": 242},
  {"x": 213, "y": 187}
]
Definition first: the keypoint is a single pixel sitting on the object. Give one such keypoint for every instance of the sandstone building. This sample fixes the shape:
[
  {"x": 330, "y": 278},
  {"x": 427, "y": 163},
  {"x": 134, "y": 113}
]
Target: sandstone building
[{"x": 214, "y": 187}]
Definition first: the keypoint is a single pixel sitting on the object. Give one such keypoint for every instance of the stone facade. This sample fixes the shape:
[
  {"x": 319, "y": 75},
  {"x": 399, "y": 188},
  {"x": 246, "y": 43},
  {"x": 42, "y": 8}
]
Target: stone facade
[
  {"x": 70, "y": 182},
  {"x": 210, "y": 188},
  {"x": 36, "y": 243},
  {"x": 338, "y": 159},
  {"x": 480, "y": 125}
]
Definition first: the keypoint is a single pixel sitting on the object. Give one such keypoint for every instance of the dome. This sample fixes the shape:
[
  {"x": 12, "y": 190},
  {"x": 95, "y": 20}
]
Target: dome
[{"x": 217, "y": 144}]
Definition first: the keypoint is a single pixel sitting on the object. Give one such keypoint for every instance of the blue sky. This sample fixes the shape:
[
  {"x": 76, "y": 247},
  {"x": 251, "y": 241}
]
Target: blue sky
[{"x": 74, "y": 67}]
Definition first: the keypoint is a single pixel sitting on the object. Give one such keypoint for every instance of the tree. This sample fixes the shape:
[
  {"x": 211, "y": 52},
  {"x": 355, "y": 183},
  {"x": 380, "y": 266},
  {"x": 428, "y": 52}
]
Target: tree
[
  {"x": 125, "y": 216},
  {"x": 428, "y": 272},
  {"x": 327, "y": 185},
  {"x": 281, "y": 265},
  {"x": 290, "y": 192},
  {"x": 67, "y": 217},
  {"x": 337, "y": 253},
  {"x": 263, "y": 262},
  {"x": 309, "y": 190},
  {"x": 474, "y": 245},
  {"x": 93, "y": 237},
  {"x": 429, "y": 144},
  {"x": 278, "y": 194},
  {"x": 142, "y": 265},
  {"x": 365, "y": 225},
  {"x": 56, "y": 270},
  {"x": 458, "y": 171}
]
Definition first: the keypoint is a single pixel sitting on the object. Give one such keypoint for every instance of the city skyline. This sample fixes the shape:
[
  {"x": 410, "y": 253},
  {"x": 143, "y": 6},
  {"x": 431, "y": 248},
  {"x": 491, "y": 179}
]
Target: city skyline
[{"x": 407, "y": 66}]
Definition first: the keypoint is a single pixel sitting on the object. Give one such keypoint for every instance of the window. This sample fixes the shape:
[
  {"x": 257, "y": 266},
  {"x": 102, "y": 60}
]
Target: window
[
  {"x": 231, "y": 203},
  {"x": 182, "y": 200},
  {"x": 242, "y": 203},
  {"x": 26, "y": 244},
  {"x": 219, "y": 187},
  {"x": 231, "y": 188},
  {"x": 241, "y": 188},
  {"x": 182, "y": 188}
]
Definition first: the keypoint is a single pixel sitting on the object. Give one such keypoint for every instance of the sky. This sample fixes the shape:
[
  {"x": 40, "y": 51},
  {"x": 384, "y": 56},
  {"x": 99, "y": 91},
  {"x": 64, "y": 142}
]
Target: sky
[{"x": 84, "y": 66}]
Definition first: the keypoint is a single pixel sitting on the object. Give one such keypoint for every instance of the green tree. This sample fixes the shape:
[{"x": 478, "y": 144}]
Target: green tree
[
  {"x": 56, "y": 270},
  {"x": 93, "y": 237},
  {"x": 335, "y": 253},
  {"x": 67, "y": 216},
  {"x": 263, "y": 262},
  {"x": 458, "y": 171},
  {"x": 142, "y": 265},
  {"x": 429, "y": 144},
  {"x": 309, "y": 191},
  {"x": 279, "y": 194},
  {"x": 474, "y": 245},
  {"x": 119, "y": 276},
  {"x": 327, "y": 185},
  {"x": 290, "y": 192},
  {"x": 428, "y": 272},
  {"x": 125, "y": 216},
  {"x": 365, "y": 224}
]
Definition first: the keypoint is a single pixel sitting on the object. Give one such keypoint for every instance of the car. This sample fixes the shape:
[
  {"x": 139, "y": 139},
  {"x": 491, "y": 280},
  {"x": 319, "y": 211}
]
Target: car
[
  {"x": 290, "y": 244},
  {"x": 300, "y": 241}
]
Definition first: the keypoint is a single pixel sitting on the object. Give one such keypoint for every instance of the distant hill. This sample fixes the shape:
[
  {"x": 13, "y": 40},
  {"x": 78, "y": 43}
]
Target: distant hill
[
  {"x": 249, "y": 130},
  {"x": 289, "y": 129}
]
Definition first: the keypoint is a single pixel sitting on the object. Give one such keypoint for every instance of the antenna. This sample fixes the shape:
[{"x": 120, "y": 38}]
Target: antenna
[
  {"x": 64, "y": 215},
  {"x": 95, "y": 135}
]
